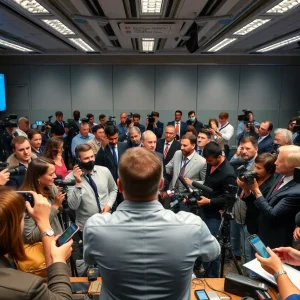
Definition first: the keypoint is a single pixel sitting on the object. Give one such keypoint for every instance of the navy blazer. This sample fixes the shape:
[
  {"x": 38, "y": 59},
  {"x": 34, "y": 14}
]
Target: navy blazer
[
  {"x": 266, "y": 145},
  {"x": 182, "y": 127},
  {"x": 160, "y": 148},
  {"x": 105, "y": 158},
  {"x": 276, "y": 221}
]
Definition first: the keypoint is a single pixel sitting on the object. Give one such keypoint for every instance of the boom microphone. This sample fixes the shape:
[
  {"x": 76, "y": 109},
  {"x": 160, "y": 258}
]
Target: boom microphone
[
  {"x": 202, "y": 187},
  {"x": 181, "y": 179}
]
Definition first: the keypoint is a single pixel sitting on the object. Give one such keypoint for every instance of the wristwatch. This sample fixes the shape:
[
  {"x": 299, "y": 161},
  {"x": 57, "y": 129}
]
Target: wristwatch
[
  {"x": 277, "y": 274},
  {"x": 48, "y": 231}
]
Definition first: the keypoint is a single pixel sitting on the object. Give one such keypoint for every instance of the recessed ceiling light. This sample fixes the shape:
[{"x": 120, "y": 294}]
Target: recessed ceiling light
[
  {"x": 251, "y": 26},
  {"x": 32, "y": 6},
  {"x": 59, "y": 26},
  {"x": 82, "y": 44},
  {"x": 151, "y": 6},
  {"x": 280, "y": 44},
  {"x": 148, "y": 44},
  {"x": 283, "y": 6},
  {"x": 14, "y": 46},
  {"x": 221, "y": 45}
]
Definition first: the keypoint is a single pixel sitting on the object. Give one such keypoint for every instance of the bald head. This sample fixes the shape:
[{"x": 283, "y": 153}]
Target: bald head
[
  {"x": 23, "y": 124},
  {"x": 149, "y": 140}
]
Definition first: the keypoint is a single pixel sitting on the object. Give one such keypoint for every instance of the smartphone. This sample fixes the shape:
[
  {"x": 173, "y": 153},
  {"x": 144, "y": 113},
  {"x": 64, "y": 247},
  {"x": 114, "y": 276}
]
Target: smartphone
[
  {"x": 258, "y": 245},
  {"x": 27, "y": 197},
  {"x": 80, "y": 287},
  {"x": 67, "y": 234},
  {"x": 201, "y": 295}
]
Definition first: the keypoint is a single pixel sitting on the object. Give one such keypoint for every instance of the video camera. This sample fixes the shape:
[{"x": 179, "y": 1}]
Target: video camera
[
  {"x": 129, "y": 119},
  {"x": 246, "y": 175},
  {"x": 20, "y": 170},
  {"x": 245, "y": 117},
  {"x": 72, "y": 126},
  {"x": 151, "y": 118},
  {"x": 111, "y": 121},
  {"x": 6, "y": 122},
  {"x": 64, "y": 183}
]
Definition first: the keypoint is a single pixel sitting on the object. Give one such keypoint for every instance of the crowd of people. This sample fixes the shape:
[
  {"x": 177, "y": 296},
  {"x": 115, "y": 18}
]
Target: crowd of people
[{"x": 125, "y": 196}]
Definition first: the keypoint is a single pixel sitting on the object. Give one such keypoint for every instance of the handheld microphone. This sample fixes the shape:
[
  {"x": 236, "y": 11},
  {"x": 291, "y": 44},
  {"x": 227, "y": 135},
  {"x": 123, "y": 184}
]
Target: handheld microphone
[
  {"x": 181, "y": 179},
  {"x": 202, "y": 187}
]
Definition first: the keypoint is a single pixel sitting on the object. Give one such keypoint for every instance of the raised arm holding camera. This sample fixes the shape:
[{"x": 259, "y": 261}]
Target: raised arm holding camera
[{"x": 15, "y": 284}]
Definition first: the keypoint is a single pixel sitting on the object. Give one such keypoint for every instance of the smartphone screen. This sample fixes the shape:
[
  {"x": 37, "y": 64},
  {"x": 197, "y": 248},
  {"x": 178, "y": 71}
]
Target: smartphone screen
[
  {"x": 258, "y": 245},
  {"x": 67, "y": 234},
  {"x": 201, "y": 295},
  {"x": 39, "y": 122}
]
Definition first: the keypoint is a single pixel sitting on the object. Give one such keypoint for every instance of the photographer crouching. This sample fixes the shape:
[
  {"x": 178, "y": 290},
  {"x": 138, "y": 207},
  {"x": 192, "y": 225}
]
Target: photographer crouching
[
  {"x": 219, "y": 176},
  {"x": 277, "y": 210}
]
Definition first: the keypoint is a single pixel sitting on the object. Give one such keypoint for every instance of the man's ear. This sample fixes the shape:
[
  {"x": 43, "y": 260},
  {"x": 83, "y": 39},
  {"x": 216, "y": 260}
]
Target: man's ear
[{"x": 120, "y": 185}]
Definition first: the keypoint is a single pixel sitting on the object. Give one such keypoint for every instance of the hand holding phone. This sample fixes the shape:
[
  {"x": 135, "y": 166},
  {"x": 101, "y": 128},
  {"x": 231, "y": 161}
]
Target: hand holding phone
[
  {"x": 258, "y": 245},
  {"x": 27, "y": 197},
  {"x": 67, "y": 234}
]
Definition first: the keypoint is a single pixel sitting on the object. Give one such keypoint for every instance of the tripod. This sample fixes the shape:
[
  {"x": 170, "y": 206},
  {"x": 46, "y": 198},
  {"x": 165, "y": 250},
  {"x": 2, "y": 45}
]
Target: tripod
[{"x": 224, "y": 231}]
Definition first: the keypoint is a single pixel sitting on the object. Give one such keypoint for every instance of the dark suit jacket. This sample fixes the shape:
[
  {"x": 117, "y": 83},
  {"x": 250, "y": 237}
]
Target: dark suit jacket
[
  {"x": 159, "y": 130},
  {"x": 160, "y": 148},
  {"x": 198, "y": 125},
  {"x": 266, "y": 145},
  {"x": 57, "y": 129},
  {"x": 15, "y": 284},
  {"x": 104, "y": 158},
  {"x": 141, "y": 127},
  {"x": 182, "y": 127},
  {"x": 277, "y": 212}
]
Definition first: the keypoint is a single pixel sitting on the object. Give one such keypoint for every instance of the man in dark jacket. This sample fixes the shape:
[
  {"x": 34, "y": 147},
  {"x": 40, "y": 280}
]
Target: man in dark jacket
[
  {"x": 265, "y": 140},
  {"x": 193, "y": 121}
]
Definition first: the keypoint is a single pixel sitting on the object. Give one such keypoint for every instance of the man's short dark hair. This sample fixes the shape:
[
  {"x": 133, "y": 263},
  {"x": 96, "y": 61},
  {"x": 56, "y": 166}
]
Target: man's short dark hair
[
  {"x": 179, "y": 112},
  {"x": 270, "y": 128},
  {"x": 191, "y": 137},
  {"x": 111, "y": 130},
  {"x": 191, "y": 112},
  {"x": 59, "y": 114},
  {"x": 250, "y": 139},
  {"x": 206, "y": 132},
  {"x": 136, "y": 115},
  {"x": 82, "y": 148},
  {"x": 212, "y": 149},
  {"x": 76, "y": 114},
  {"x": 155, "y": 114},
  {"x": 89, "y": 115},
  {"x": 96, "y": 127},
  {"x": 102, "y": 116},
  {"x": 223, "y": 115}
]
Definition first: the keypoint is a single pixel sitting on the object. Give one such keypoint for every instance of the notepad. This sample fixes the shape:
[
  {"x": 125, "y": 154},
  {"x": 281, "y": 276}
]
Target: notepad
[{"x": 254, "y": 265}]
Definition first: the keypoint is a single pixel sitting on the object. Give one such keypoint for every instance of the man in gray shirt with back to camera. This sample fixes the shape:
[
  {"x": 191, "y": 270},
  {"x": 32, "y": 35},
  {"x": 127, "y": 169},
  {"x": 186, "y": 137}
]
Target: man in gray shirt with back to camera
[{"x": 142, "y": 250}]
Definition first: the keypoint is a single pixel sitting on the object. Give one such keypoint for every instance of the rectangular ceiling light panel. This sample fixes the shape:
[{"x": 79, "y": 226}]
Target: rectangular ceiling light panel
[
  {"x": 251, "y": 26},
  {"x": 148, "y": 44},
  {"x": 14, "y": 46},
  {"x": 59, "y": 26},
  {"x": 151, "y": 6},
  {"x": 221, "y": 45},
  {"x": 82, "y": 44},
  {"x": 32, "y": 6},
  {"x": 283, "y": 6},
  {"x": 280, "y": 44}
]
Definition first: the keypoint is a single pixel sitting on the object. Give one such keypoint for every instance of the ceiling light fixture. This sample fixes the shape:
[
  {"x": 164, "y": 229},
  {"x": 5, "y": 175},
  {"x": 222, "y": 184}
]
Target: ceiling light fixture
[
  {"x": 14, "y": 46},
  {"x": 280, "y": 44},
  {"x": 148, "y": 44},
  {"x": 283, "y": 6},
  {"x": 32, "y": 6},
  {"x": 221, "y": 45},
  {"x": 151, "y": 6},
  {"x": 59, "y": 26},
  {"x": 82, "y": 44},
  {"x": 251, "y": 26}
]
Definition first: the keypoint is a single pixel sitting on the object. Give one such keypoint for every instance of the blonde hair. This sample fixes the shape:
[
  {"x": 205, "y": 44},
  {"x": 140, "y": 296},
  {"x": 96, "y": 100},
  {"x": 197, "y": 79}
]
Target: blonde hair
[{"x": 293, "y": 155}]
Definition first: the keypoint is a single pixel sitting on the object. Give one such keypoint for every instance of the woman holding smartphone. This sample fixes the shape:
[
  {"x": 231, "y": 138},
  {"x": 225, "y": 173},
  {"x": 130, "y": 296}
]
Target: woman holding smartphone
[
  {"x": 19, "y": 285},
  {"x": 39, "y": 178}
]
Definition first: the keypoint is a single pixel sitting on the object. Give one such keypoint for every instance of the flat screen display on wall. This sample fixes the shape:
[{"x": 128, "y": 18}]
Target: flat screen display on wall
[{"x": 2, "y": 93}]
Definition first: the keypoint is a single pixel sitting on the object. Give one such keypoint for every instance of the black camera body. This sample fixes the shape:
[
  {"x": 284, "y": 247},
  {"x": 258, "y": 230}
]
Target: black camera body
[
  {"x": 190, "y": 198},
  {"x": 245, "y": 175},
  {"x": 151, "y": 119},
  {"x": 245, "y": 116},
  {"x": 129, "y": 119},
  {"x": 111, "y": 121},
  {"x": 6, "y": 122},
  {"x": 16, "y": 171}
]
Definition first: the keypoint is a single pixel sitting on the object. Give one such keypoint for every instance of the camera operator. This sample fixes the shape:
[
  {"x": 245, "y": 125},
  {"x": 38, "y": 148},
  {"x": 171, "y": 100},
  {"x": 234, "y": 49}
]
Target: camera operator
[
  {"x": 248, "y": 126},
  {"x": 6, "y": 137},
  {"x": 124, "y": 127},
  {"x": 82, "y": 137},
  {"x": 278, "y": 209},
  {"x": 4, "y": 177},
  {"x": 58, "y": 128},
  {"x": 21, "y": 156},
  {"x": 219, "y": 175},
  {"x": 136, "y": 122},
  {"x": 153, "y": 124},
  {"x": 194, "y": 121},
  {"x": 98, "y": 132},
  {"x": 95, "y": 190},
  {"x": 187, "y": 163},
  {"x": 23, "y": 127},
  {"x": 152, "y": 239},
  {"x": 246, "y": 151}
]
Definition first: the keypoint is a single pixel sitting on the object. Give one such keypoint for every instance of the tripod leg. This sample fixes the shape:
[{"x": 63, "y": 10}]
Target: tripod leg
[
  {"x": 238, "y": 267},
  {"x": 223, "y": 252}
]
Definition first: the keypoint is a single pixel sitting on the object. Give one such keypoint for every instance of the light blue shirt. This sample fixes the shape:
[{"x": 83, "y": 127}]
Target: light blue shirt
[
  {"x": 79, "y": 139},
  {"x": 240, "y": 133}
]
